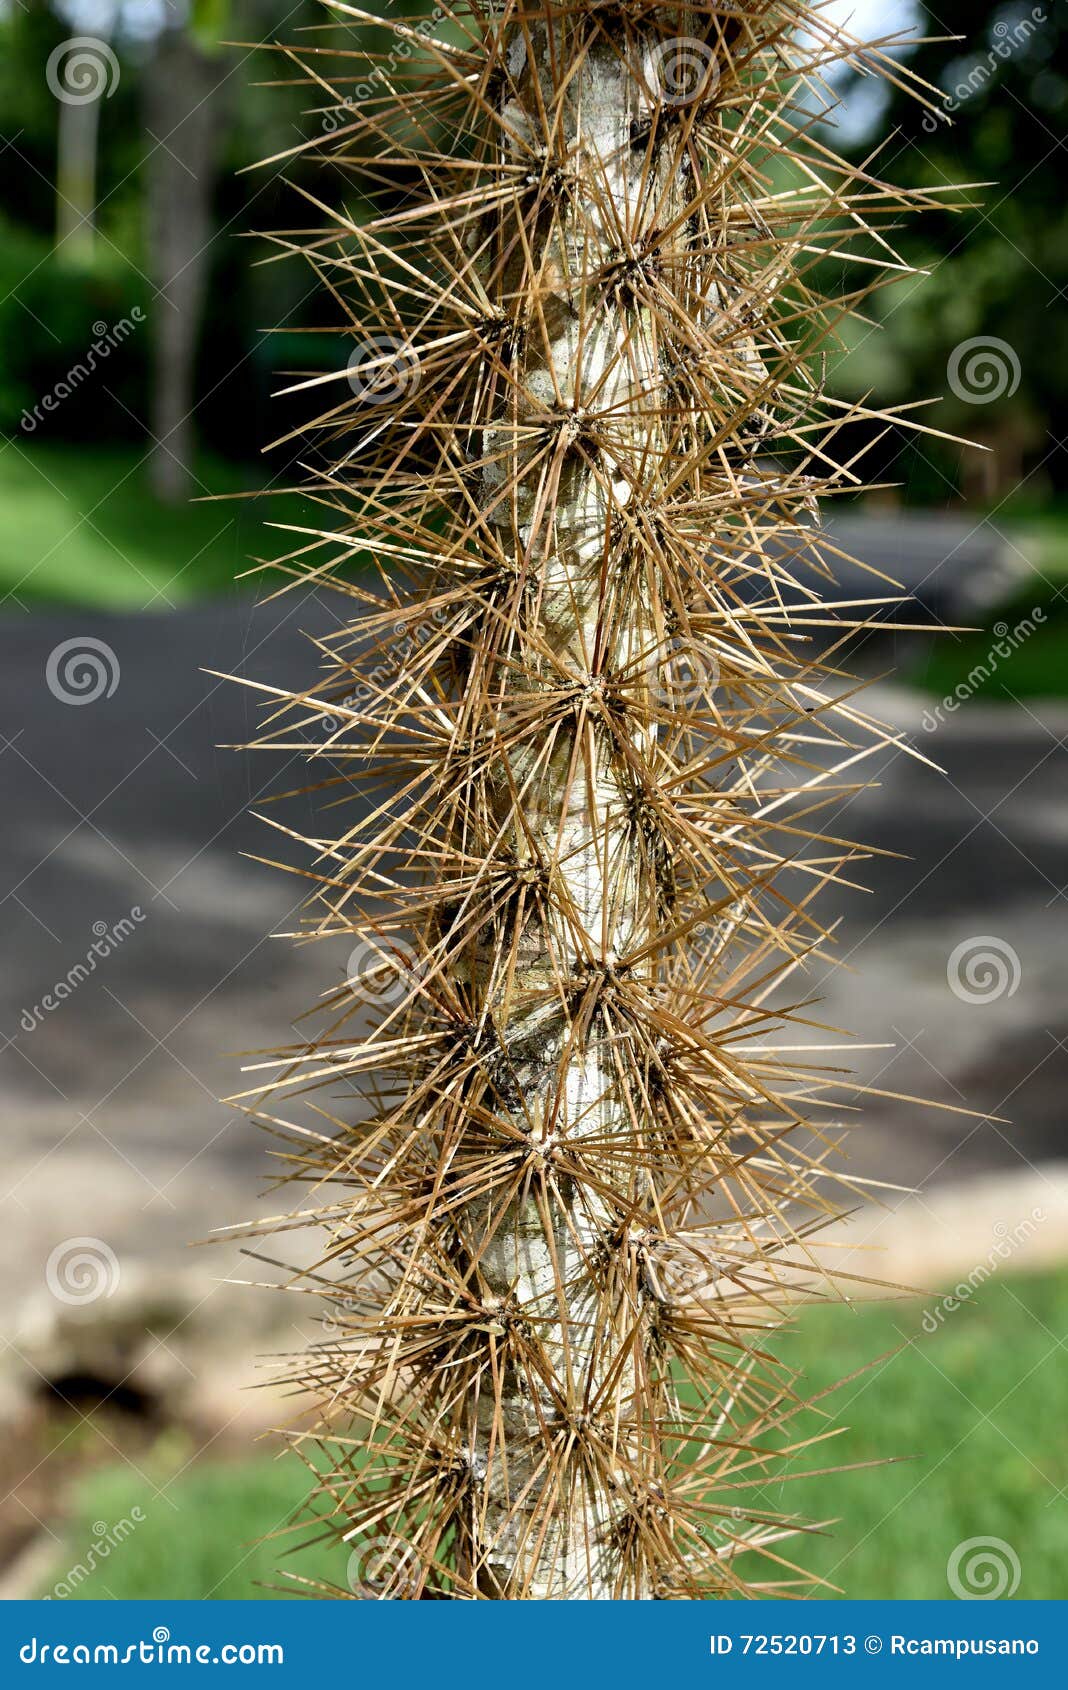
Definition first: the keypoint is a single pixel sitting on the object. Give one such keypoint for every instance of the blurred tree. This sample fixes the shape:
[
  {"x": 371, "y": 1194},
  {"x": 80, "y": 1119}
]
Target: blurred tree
[
  {"x": 186, "y": 109},
  {"x": 999, "y": 271},
  {"x": 83, "y": 75},
  {"x": 146, "y": 192}
]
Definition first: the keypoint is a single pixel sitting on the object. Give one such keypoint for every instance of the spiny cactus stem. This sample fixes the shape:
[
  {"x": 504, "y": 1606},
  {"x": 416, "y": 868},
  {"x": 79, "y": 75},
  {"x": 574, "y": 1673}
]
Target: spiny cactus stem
[
  {"x": 584, "y": 433},
  {"x": 575, "y": 801}
]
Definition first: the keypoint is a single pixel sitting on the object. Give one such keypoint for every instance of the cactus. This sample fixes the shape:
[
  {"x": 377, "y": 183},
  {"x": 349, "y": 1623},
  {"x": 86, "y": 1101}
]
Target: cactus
[{"x": 575, "y": 749}]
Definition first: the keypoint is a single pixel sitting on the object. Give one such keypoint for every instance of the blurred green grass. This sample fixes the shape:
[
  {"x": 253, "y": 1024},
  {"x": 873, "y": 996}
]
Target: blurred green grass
[
  {"x": 976, "y": 1408},
  {"x": 203, "y": 1535},
  {"x": 82, "y": 527}
]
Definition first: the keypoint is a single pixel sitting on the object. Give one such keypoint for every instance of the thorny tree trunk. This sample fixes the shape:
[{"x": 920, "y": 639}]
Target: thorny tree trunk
[
  {"x": 580, "y": 446},
  {"x": 575, "y": 805}
]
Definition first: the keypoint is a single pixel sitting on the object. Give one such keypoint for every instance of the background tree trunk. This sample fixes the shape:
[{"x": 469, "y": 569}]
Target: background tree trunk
[
  {"x": 184, "y": 111},
  {"x": 79, "y": 128}
]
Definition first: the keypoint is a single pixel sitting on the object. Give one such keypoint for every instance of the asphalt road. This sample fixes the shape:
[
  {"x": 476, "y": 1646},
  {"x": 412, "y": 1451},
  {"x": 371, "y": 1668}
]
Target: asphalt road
[{"x": 113, "y": 1128}]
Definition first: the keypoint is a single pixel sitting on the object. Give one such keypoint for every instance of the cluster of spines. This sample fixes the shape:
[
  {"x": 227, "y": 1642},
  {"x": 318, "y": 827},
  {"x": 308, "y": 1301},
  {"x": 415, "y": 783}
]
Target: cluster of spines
[{"x": 595, "y": 593}]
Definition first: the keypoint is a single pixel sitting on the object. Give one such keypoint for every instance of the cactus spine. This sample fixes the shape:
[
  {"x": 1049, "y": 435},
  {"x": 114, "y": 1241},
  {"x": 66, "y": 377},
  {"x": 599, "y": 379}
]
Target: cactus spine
[{"x": 574, "y": 744}]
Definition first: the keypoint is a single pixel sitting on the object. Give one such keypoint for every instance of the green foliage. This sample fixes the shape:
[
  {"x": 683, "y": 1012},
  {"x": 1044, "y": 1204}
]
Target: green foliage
[
  {"x": 47, "y": 309},
  {"x": 210, "y": 23},
  {"x": 999, "y": 270},
  {"x": 51, "y": 313}
]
